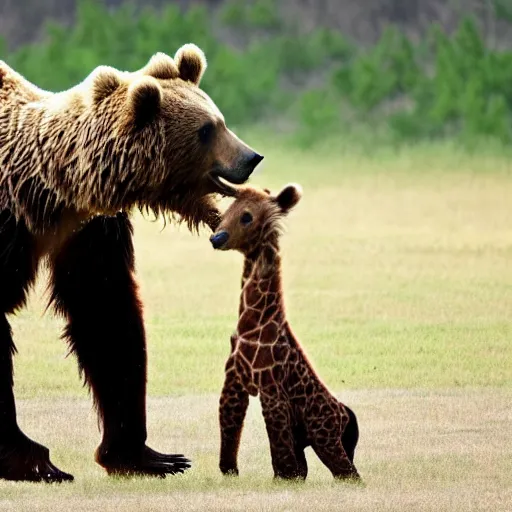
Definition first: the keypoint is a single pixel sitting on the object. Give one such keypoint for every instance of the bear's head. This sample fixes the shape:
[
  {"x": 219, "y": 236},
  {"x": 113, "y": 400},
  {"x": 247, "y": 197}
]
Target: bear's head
[{"x": 170, "y": 140}]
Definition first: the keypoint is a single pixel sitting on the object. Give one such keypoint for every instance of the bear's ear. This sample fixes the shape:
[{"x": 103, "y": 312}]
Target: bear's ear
[
  {"x": 191, "y": 63},
  {"x": 161, "y": 66},
  {"x": 289, "y": 197},
  {"x": 144, "y": 101},
  {"x": 105, "y": 80}
]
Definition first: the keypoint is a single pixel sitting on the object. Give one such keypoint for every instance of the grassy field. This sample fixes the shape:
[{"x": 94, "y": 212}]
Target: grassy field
[{"x": 398, "y": 279}]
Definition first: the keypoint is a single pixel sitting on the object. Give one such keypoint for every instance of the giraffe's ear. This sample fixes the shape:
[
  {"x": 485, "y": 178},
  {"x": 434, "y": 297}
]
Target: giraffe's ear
[{"x": 289, "y": 197}]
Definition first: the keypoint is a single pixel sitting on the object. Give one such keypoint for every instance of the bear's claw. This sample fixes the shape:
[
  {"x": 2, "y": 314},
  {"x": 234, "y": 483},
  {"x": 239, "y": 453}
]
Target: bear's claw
[
  {"x": 26, "y": 460},
  {"x": 148, "y": 463}
]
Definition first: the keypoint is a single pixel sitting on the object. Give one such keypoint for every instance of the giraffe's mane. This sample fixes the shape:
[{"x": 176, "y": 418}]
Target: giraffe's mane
[{"x": 273, "y": 225}]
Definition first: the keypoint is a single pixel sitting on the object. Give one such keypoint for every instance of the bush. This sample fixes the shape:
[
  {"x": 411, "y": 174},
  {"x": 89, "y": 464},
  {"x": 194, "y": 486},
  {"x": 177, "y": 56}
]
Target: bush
[
  {"x": 262, "y": 14},
  {"x": 445, "y": 85},
  {"x": 318, "y": 117}
]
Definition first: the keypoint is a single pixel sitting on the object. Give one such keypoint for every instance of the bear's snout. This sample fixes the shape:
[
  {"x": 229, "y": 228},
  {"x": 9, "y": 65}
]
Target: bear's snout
[
  {"x": 243, "y": 168},
  {"x": 251, "y": 162}
]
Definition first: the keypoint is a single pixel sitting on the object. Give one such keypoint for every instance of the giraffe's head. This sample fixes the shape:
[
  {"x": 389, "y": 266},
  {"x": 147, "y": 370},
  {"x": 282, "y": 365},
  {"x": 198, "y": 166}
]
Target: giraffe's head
[{"x": 252, "y": 216}]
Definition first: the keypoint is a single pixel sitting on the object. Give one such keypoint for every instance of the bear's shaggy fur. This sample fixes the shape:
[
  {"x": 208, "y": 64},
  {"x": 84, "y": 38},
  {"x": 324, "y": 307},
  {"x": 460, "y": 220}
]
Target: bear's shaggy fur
[
  {"x": 115, "y": 141},
  {"x": 72, "y": 166}
]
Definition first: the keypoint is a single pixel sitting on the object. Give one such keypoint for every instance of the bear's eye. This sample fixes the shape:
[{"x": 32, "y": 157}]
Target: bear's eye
[
  {"x": 206, "y": 133},
  {"x": 246, "y": 218}
]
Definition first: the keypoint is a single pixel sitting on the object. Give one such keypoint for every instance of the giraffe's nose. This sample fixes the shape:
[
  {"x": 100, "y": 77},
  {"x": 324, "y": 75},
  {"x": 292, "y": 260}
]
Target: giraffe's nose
[{"x": 219, "y": 239}]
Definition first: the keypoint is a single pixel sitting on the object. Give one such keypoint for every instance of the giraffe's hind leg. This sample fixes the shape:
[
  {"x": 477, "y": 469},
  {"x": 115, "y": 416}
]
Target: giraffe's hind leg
[
  {"x": 300, "y": 438},
  {"x": 326, "y": 439},
  {"x": 302, "y": 463},
  {"x": 331, "y": 452}
]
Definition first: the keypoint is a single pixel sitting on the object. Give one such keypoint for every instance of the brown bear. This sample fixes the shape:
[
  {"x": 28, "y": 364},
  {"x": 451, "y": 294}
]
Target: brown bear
[{"x": 73, "y": 165}]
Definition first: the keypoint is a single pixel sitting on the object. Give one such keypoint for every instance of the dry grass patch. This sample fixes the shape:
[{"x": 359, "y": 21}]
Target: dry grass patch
[{"x": 445, "y": 450}]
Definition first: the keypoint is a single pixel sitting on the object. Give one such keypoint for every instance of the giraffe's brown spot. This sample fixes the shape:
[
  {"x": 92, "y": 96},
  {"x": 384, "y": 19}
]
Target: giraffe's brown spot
[
  {"x": 272, "y": 298},
  {"x": 274, "y": 286},
  {"x": 294, "y": 382},
  {"x": 328, "y": 423},
  {"x": 249, "y": 321},
  {"x": 269, "y": 332},
  {"x": 237, "y": 408},
  {"x": 300, "y": 401},
  {"x": 277, "y": 373},
  {"x": 315, "y": 410},
  {"x": 269, "y": 313},
  {"x": 320, "y": 440},
  {"x": 254, "y": 299},
  {"x": 279, "y": 352},
  {"x": 238, "y": 387},
  {"x": 249, "y": 351},
  {"x": 266, "y": 379},
  {"x": 322, "y": 432},
  {"x": 263, "y": 358}
]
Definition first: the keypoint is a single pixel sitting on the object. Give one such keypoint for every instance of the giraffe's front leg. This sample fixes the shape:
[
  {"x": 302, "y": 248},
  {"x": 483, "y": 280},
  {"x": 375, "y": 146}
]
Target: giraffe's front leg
[
  {"x": 278, "y": 420},
  {"x": 233, "y": 405}
]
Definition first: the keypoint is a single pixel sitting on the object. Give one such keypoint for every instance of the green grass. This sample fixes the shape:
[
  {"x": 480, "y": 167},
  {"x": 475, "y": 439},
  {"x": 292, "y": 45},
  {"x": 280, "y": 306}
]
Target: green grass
[{"x": 398, "y": 281}]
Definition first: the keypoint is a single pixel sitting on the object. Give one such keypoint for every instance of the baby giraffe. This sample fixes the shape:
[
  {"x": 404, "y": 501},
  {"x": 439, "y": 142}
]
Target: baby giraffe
[{"x": 267, "y": 359}]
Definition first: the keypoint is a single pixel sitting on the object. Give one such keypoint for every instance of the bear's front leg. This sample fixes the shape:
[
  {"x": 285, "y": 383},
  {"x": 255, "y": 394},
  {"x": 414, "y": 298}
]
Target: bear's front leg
[
  {"x": 94, "y": 288},
  {"x": 21, "y": 458}
]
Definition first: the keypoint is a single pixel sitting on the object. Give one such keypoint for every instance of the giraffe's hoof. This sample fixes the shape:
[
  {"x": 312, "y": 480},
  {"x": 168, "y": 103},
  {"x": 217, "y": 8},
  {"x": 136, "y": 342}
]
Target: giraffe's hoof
[
  {"x": 296, "y": 476},
  {"x": 351, "y": 477},
  {"x": 229, "y": 471}
]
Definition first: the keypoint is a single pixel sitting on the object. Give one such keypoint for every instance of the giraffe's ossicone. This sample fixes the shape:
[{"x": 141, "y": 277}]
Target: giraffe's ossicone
[{"x": 267, "y": 359}]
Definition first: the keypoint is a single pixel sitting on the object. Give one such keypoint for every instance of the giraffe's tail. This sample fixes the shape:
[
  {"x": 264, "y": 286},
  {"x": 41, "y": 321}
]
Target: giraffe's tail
[{"x": 350, "y": 435}]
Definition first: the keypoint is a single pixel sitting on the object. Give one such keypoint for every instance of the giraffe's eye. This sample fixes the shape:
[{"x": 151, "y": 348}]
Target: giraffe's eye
[{"x": 246, "y": 218}]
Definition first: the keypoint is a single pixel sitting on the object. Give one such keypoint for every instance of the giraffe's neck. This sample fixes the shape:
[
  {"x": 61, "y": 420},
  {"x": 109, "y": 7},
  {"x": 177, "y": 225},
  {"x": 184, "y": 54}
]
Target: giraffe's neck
[{"x": 261, "y": 303}]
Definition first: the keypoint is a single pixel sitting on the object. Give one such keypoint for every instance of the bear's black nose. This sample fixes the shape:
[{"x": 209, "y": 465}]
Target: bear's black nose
[
  {"x": 255, "y": 160},
  {"x": 219, "y": 239}
]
